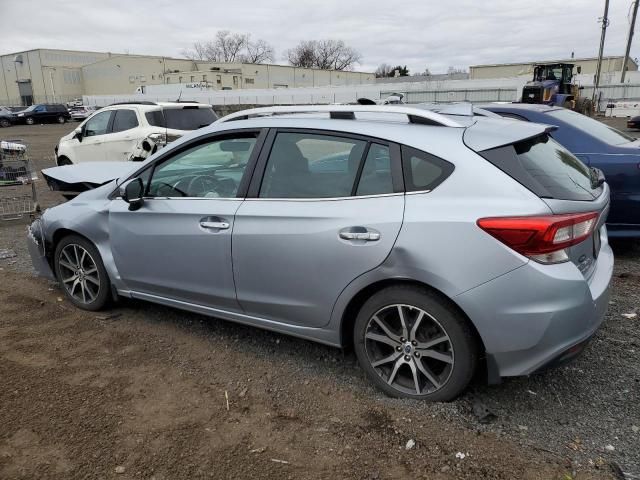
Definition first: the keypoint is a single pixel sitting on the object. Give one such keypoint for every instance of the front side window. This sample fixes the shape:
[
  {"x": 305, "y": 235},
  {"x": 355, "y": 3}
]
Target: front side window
[
  {"x": 97, "y": 125},
  {"x": 307, "y": 165},
  {"x": 124, "y": 120},
  {"x": 210, "y": 170}
]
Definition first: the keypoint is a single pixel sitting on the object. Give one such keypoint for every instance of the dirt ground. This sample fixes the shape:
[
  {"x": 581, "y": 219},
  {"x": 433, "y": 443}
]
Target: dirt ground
[{"x": 144, "y": 391}]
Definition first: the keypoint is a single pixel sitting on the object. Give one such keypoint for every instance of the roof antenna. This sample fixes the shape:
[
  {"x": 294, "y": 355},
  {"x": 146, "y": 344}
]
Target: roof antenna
[{"x": 179, "y": 96}]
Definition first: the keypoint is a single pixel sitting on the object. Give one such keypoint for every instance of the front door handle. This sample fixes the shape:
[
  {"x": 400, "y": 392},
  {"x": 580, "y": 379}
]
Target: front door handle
[
  {"x": 218, "y": 225},
  {"x": 359, "y": 233}
]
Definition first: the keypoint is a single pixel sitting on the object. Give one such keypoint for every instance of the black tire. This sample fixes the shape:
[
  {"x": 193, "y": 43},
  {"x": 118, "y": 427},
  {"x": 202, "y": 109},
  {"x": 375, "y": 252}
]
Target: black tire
[
  {"x": 461, "y": 347},
  {"x": 61, "y": 119},
  {"x": 584, "y": 106},
  {"x": 61, "y": 261},
  {"x": 62, "y": 160},
  {"x": 29, "y": 121},
  {"x": 568, "y": 105},
  {"x": 4, "y": 123}
]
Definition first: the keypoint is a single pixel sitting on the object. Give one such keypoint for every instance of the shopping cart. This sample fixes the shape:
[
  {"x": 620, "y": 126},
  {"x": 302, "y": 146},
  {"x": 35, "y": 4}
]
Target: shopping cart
[{"x": 18, "y": 197}]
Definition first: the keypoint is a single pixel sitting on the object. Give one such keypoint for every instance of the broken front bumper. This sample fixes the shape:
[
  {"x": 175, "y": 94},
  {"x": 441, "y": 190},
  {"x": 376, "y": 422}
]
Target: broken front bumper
[{"x": 36, "y": 246}]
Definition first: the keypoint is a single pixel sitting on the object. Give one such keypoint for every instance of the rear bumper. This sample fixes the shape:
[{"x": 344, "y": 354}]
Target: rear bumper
[
  {"x": 35, "y": 244},
  {"x": 538, "y": 315}
]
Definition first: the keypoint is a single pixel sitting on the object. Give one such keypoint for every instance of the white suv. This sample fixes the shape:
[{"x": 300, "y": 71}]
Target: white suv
[{"x": 131, "y": 131}]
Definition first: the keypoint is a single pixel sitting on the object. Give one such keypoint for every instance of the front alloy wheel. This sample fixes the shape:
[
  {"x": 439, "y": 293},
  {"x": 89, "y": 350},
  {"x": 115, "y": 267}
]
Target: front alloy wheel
[{"x": 81, "y": 273}]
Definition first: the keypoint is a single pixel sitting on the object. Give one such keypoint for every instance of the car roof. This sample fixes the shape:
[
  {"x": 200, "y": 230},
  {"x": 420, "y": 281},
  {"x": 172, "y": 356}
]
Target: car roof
[{"x": 392, "y": 124}]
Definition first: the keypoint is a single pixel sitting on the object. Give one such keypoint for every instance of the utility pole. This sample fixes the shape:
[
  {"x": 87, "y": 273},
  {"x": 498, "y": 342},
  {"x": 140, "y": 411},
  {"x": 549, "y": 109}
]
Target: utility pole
[
  {"x": 605, "y": 24},
  {"x": 629, "y": 38}
]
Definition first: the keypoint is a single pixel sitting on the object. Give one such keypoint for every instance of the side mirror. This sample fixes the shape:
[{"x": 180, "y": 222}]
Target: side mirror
[
  {"x": 132, "y": 192},
  {"x": 77, "y": 133},
  {"x": 579, "y": 69}
]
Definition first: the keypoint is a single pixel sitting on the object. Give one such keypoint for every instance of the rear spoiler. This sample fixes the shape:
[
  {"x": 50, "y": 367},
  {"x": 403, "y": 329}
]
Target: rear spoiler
[{"x": 489, "y": 133}]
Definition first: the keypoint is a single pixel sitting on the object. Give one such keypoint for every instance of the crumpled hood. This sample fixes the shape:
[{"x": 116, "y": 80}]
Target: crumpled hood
[{"x": 86, "y": 176}]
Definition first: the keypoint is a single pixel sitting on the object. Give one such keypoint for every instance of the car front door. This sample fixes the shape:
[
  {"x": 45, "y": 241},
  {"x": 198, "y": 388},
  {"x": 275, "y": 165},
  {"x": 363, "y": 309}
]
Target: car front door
[
  {"x": 178, "y": 244},
  {"x": 328, "y": 209},
  {"x": 119, "y": 142},
  {"x": 93, "y": 134}
]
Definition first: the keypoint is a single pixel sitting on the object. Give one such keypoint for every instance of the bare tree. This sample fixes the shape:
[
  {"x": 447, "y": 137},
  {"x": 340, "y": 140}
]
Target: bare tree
[
  {"x": 324, "y": 54},
  {"x": 302, "y": 55},
  {"x": 258, "y": 52},
  {"x": 384, "y": 70},
  {"x": 198, "y": 52},
  {"x": 231, "y": 47}
]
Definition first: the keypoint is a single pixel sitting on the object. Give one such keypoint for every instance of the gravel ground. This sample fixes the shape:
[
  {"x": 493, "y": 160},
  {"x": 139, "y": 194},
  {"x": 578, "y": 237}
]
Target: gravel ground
[{"x": 141, "y": 390}]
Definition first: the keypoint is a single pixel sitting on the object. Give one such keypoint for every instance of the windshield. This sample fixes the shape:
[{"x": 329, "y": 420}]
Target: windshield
[
  {"x": 185, "y": 118},
  {"x": 29, "y": 109},
  {"x": 593, "y": 127}
]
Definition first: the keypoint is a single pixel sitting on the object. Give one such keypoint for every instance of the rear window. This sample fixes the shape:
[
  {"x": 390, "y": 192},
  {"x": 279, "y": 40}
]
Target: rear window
[
  {"x": 185, "y": 118},
  {"x": 546, "y": 168}
]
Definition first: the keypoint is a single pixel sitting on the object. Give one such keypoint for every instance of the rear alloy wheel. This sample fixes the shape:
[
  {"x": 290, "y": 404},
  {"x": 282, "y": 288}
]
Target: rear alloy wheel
[
  {"x": 29, "y": 121},
  {"x": 61, "y": 119},
  {"x": 413, "y": 344},
  {"x": 81, "y": 273}
]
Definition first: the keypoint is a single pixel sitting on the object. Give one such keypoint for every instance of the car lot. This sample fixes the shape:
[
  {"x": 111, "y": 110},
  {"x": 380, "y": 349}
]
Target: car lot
[{"x": 88, "y": 386}]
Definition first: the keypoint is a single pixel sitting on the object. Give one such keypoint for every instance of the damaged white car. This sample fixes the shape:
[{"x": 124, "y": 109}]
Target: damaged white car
[{"x": 131, "y": 131}]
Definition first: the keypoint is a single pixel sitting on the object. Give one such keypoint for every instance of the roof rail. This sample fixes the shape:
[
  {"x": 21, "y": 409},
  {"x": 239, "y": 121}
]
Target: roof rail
[
  {"x": 134, "y": 103},
  {"x": 347, "y": 112}
]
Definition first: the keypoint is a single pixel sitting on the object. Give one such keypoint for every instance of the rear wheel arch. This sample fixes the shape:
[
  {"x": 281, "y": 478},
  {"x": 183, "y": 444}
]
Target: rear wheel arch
[{"x": 357, "y": 301}]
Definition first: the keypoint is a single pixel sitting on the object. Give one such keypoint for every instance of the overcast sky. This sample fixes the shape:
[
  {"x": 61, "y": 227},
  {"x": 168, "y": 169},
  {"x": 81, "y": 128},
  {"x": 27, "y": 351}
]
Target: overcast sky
[{"x": 420, "y": 33}]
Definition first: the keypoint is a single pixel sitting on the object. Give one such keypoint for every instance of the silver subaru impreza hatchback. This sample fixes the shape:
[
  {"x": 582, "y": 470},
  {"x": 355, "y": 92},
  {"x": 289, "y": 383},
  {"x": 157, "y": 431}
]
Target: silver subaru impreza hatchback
[{"x": 433, "y": 244}]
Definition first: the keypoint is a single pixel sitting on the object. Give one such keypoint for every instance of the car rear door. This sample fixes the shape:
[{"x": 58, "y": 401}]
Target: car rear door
[
  {"x": 177, "y": 246},
  {"x": 325, "y": 208},
  {"x": 121, "y": 139}
]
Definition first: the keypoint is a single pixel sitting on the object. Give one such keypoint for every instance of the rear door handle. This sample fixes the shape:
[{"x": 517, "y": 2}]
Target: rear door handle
[
  {"x": 359, "y": 233},
  {"x": 218, "y": 225}
]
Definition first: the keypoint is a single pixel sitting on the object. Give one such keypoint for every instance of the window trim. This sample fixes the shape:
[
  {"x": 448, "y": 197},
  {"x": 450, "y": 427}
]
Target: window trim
[
  {"x": 260, "y": 170},
  {"x": 261, "y": 134}
]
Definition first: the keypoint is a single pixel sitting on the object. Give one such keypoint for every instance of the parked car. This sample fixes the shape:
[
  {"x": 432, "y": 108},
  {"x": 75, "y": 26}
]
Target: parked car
[
  {"x": 597, "y": 145},
  {"x": 634, "y": 123},
  {"x": 7, "y": 117},
  {"x": 114, "y": 132},
  {"x": 431, "y": 250},
  {"x": 81, "y": 113},
  {"x": 43, "y": 113}
]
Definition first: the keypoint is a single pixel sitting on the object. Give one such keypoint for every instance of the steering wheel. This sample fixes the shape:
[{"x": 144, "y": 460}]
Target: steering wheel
[
  {"x": 174, "y": 188},
  {"x": 201, "y": 185}
]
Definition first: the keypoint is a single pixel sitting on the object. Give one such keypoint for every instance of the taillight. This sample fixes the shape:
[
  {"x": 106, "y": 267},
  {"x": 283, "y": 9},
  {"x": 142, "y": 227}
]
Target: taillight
[{"x": 543, "y": 239}]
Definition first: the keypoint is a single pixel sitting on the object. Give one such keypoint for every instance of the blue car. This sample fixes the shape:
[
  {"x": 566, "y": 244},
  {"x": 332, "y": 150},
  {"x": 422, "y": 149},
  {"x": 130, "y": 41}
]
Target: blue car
[{"x": 597, "y": 145}]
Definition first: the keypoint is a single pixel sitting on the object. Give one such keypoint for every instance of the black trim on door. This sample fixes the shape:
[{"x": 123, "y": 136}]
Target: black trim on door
[{"x": 394, "y": 151}]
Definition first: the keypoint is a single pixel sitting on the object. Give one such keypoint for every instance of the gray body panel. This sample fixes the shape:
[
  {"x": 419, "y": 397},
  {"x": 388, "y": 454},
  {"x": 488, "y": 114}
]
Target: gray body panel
[
  {"x": 290, "y": 262},
  {"x": 281, "y": 264}
]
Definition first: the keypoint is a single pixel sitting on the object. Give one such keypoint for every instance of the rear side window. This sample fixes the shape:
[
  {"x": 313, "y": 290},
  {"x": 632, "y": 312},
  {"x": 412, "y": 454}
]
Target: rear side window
[
  {"x": 423, "y": 171},
  {"x": 124, "y": 120},
  {"x": 546, "y": 168},
  {"x": 306, "y": 165},
  {"x": 185, "y": 118},
  {"x": 375, "y": 178}
]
